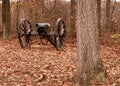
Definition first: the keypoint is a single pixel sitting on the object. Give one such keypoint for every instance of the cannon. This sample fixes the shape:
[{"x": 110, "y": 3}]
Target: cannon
[
  {"x": 56, "y": 37},
  {"x": 43, "y": 28}
]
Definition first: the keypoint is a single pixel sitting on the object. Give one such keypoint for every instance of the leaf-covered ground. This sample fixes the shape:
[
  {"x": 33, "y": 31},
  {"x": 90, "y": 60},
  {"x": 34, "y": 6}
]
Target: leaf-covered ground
[{"x": 43, "y": 65}]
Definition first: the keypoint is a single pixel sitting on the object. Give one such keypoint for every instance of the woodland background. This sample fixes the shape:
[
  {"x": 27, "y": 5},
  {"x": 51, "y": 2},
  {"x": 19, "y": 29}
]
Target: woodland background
[
  {"x": 48, "y": 11},
  {"x": 43, "y": 65}
]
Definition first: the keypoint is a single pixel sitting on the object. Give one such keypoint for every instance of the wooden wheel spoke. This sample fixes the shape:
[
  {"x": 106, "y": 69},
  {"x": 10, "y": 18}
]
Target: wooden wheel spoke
[
  {"x": 61, "y": 30},
  {"x": 22, "y": 35},
  {"x": 24, "y": 31},
  {"x": 22, "y": 28}
]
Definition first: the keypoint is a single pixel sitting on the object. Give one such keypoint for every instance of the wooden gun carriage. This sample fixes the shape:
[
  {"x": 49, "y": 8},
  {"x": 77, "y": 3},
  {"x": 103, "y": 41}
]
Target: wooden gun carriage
[{"x": 56, "y": 37}]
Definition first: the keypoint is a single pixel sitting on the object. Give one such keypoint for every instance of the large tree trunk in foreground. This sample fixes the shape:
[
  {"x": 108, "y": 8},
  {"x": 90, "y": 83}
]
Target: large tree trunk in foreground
[
  {"x": 6, "y": 19},
  {"x": 89, "y": 64}
]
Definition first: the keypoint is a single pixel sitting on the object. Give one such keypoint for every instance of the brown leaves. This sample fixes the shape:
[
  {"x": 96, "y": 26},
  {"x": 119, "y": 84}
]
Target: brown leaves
[
  {"x": 43, "y": 65},
  {"x": 38, "y": 66}
]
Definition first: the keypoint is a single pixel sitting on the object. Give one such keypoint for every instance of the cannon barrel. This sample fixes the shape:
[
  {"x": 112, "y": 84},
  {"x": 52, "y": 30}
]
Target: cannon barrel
[
  {"x": 42, "y": 28},
  {"x": 43, "y": 25}
]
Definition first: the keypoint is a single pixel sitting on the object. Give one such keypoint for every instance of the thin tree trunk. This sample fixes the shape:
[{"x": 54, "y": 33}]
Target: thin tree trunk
[
  {"x": 17, "y": 13},
  {"x": 89, "y": 65},
  {"x": 99, "y": 15},
  {"x": 55, "y": 9},
  {"x": 111, "y": 17},
  {"x": 73, "y": 12},
  {"x": 108, "y": 18},
  {"x": 42, "y": 3},
  {"x": 6, "y": 19},
  {"x": 113, "y": 8}
]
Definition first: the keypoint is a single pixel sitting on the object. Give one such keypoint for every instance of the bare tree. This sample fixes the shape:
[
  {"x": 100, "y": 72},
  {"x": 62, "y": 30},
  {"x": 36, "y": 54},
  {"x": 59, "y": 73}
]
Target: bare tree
[
  {"x": 17, "y": 13},
  {"x": 108, "y": 19},
  {"x": 89, "y": 64},
  {"x": 6, "y": 19},
  {"x": 112, "y": 11},
  {"x": 99, "y": 15},
  {"x": 113, "y": 8},
  {"x": 42, "y": 4},
  {"x": 73, "y": 10}
]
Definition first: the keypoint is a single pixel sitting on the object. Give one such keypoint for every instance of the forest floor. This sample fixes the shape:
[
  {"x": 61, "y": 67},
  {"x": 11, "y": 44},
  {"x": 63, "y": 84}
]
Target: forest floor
[{"x": 43, "y": 65}]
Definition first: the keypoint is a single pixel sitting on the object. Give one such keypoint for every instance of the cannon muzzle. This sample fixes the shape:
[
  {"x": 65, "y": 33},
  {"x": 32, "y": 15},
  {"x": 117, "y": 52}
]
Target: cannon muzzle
[
  {"x": 42, "y": 25},
  {"x": 42, "y": 28}
]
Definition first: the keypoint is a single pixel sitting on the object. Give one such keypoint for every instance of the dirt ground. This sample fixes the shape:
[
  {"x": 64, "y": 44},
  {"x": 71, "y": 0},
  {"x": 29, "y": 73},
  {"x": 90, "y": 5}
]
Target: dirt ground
[{"x": 43, "y": 65}]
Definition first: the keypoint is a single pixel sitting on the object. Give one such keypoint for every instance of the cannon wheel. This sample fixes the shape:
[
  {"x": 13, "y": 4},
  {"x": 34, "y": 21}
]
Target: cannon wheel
[
  {"x": 60, "y": 34},
  {"x": 24, "y": 33}
]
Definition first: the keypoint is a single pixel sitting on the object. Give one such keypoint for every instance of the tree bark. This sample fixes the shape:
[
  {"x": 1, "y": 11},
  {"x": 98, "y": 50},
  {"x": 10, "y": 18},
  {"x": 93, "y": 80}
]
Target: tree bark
[
  {"x": 17, "y": 13},
  {"x": 99, "y": 15},
  {"x": 6, "y": 19},
  {"x": 108, "y": 18},
  {"x": 42, "y": 4},
  {"x": 89, "y": 65},
  {"x": 73, "y": 12}
]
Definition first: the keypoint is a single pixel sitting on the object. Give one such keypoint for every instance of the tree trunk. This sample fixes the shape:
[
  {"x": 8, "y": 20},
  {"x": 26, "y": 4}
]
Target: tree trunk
[
  {"x": 108, "y": 18},
  {"x": 42, "y": 3},
  {"x": 6, "y": 19},
  {"x": 73, "y": 12},
  {"x": 99, "y": 15},
  {"x": 89, "y": 64},
  {"x": 55, "y": 9},
  {"x": 17, "y": 13}
]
